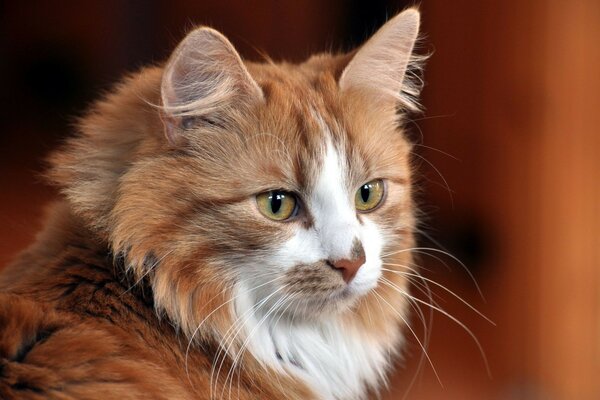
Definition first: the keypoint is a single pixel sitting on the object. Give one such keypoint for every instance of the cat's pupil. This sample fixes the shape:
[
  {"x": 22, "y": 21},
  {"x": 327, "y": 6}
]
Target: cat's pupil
[
  {"x": 365, "y": 192},
  {"x": 276, "y": 200}
]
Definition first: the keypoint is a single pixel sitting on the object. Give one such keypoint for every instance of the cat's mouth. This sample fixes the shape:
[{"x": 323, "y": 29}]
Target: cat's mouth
[
  {"x": 317, "y": 289},
  {"x": 315, "y": 280},
  {"x": 309, "y": 291},
  {"x": 313, "y": 307}
]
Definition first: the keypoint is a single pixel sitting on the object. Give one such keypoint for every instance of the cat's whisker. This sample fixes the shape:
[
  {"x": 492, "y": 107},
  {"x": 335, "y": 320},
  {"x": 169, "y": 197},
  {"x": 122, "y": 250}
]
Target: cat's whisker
[
  {"x": 399, "y": 314},
  {"x": 277, "y": 277},
  {"x": 240, "y": 352},
  {"x": 289, "y": 299},
  {"x": 423, "y": 288},
  {"x": 289, "y": 326},
  {"x": 408, "y": 265},
  {"x": 424, "y": 346},
  {"x": 427, "y": 325},
  {"x": 446, "y": 290},
  {"x": 448, "y": 315},
  {"x": 414, "y": 121},
  {"x": 190, "y": 341},
  {"x": 428, "y": 329},
  {"x": 437, "y": 150},
  {"x": 426, "y": 341},
  {"x": 446, "y": 185},
  {"x": 293, "y": 296},
  {"x": 233, "y": 332},
  {"x": 293, "y": 315},
  {"x": 363, "y": 303},
  {"x": 282, "y": 312},
  {"x": 434, "y": 256},
  {"x": 425, "y": 250},
  {"x": 430, "y": 117},
  {"x": 228, "y": 338},
  {"x": 224, "y": 304},
  {"x": 421, "y": 316},
  {"x": 416, "y": 275},
  {"x": 389, "y": 351},
  {"x": 413, "y": 278}
]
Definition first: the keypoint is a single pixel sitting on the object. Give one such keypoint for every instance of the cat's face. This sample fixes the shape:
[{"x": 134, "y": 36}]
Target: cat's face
[
  {"x": 300, "y": 199},
  {"x": 292, "y": 199},
  {"x": 293, "y": 204}
]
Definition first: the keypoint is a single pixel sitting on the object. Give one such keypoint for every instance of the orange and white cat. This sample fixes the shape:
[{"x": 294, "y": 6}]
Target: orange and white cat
[{"x": 222, "y": 232}]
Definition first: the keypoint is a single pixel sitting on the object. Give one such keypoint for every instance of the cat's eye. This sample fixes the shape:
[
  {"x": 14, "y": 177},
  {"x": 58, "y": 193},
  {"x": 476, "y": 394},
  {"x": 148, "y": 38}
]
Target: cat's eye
[
  {"x": 277, "y": 205},
  {"x": 369, "y": 196}
]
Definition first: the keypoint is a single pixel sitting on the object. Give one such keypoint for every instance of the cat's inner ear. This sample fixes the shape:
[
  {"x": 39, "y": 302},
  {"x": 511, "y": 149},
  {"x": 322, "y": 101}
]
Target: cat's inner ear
[
  {"x": 204, "y": 78},
  {"x": 379, "y": 67}
]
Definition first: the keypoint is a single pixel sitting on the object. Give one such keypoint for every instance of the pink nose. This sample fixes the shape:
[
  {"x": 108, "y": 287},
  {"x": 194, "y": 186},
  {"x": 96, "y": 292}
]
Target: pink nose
[{"x": 349, "y": 267}]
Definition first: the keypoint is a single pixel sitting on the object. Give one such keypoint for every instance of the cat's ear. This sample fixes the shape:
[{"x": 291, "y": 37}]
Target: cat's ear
[
  {"x": 204, "y": 76},
  {"x": 379, "y": 67}
]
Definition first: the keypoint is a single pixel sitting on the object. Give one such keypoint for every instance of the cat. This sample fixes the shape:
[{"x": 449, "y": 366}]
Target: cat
[{"x": 222, "y": 232}]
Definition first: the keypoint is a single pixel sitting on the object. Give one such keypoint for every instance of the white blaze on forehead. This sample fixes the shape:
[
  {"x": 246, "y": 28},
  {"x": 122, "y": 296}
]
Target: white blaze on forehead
[
  {"x": 332, "y": 205},
  {"x": 336, "y": 225}
]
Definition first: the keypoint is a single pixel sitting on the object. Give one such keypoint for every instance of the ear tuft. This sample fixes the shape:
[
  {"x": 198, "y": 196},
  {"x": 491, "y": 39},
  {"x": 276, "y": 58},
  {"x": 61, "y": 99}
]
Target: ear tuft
[
  {"x": 204, "y": 76},
  {"x": 380, "y": 66}
]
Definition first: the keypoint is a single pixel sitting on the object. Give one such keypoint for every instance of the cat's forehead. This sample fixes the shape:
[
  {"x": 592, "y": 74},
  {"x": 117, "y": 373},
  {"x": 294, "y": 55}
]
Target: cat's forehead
[
  {"x": 286, "y": 141},
  {"x": 302, "y": 105},
  {"x": 305, "y": 109}
]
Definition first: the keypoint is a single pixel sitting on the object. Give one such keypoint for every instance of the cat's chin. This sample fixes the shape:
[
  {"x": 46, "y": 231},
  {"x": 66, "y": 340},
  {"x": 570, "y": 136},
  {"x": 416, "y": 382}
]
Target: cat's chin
[{"x": 335, "y": 303}]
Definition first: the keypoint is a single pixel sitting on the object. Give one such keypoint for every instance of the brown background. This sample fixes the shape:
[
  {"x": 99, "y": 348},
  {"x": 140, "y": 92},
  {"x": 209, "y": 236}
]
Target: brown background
[{"x": 512, "y": 97}]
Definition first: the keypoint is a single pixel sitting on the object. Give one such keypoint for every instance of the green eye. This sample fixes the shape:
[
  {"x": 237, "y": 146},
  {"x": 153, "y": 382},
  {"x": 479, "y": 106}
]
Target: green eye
[
  {"x": 369, "y": 195},
  {"x": 276, "y": 204}
]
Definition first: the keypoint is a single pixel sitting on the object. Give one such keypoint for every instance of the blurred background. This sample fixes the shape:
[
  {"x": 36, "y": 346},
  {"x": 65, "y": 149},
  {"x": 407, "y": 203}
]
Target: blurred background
[{"x": 507, "y": 148}]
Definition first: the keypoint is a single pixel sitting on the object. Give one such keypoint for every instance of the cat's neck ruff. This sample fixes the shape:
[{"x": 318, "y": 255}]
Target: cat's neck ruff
[{"x": 333, "y": 356}]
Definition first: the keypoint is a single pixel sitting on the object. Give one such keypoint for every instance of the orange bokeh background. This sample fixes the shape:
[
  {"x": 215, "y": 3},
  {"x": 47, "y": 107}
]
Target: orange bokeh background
[{"x": 506, "y": 148}]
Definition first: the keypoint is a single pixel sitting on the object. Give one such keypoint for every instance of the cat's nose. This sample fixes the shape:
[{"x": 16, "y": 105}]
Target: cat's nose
[{"x": 350, "y": 266}]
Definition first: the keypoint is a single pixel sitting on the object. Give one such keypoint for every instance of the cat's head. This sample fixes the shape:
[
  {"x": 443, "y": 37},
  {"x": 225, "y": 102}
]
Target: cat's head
[{"x": 270, "y": 188}]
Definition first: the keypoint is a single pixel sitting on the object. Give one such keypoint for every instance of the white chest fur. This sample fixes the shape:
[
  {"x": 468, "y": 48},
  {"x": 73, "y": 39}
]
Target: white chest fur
[
  {"x": 338, "y": 362},
  {"x": 334, "y": 358}
]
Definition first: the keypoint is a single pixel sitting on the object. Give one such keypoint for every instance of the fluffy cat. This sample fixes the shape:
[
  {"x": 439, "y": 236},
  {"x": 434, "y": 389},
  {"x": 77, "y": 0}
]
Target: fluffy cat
[{"x": 222, "y": 233}]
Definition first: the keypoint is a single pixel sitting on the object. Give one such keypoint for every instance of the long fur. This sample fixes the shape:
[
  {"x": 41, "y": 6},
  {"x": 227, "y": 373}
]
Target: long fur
[{"x": 156, "y": 275}]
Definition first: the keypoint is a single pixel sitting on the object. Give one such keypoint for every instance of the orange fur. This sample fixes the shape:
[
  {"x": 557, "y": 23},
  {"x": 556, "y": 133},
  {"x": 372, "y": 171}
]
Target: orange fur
[{"x": 135, "y": 256}]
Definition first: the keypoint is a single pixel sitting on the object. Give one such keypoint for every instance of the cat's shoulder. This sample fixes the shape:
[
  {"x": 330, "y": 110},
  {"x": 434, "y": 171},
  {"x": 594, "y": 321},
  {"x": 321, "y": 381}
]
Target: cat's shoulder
[
  {"x": 71, "y": 329},
  {"x": 46, "y": 353}
]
